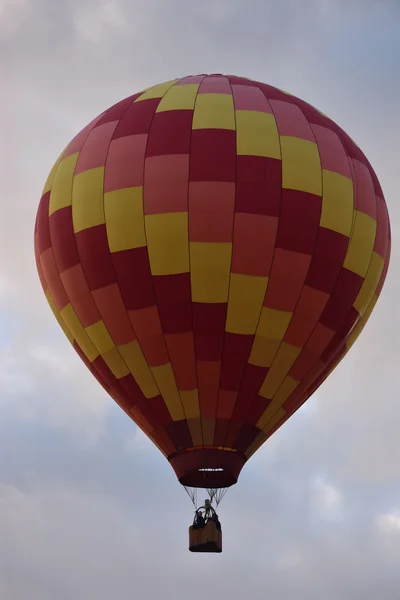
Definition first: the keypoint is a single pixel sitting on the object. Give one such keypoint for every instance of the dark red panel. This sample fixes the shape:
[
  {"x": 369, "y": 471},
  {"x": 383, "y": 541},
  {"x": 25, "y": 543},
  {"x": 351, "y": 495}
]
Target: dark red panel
[
  {"x": 220, "y": 432},
  {"x": 132, "y": 269},
  {"x": 313, "y": 116},
  {"x": 95, "y": 256},
  {"x": 116, "y": 112},
  {"x": 282, "y": 295},
  {"x": 179, "y": 433},
  {"x": 42, "y": 224},
  {"x": 247, "y": 435},
  {"x": 159, "y": 409},
  {"x": 298, "y": 235},
  {"x": 348, "y": 284},
  {"x": 272, "y": 93},
  {"x": 328, "y": 257},
  {"x": 137, "y": 119},
  {"x": 170, "y": 133},
  {"x": 63, "y": 239},
  {"x": 173, "y": 293},
  {"x": 213, "y": 155},
  {"x": 209, "y": 329},
  {"x": 349, "y": 322},
  {"x": 382, "y": 230},
  {"x": 300, "y": 205},
  {"x": 257, "y": 408},
  {"x": 260, "y": 194}
]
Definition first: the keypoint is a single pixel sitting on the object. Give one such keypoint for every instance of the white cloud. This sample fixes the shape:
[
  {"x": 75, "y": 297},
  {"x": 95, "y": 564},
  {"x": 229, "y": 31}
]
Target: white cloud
[
  {"x": 389, "y": 523},
  {"x": 67, "y": 61},
  {"x": 327, "y": 498}
]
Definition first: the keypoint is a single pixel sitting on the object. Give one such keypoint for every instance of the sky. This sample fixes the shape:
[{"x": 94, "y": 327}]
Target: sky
[{"x": 88, "y": 507}]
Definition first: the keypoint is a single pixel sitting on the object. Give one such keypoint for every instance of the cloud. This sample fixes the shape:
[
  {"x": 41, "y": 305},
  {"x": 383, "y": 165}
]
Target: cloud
[
  {"x": 328, "y": 499},
  {"x": 88, "y": 508}
]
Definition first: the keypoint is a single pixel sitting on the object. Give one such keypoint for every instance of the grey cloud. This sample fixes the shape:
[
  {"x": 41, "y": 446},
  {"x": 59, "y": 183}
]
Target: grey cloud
[{"x": 88, "y": 509}]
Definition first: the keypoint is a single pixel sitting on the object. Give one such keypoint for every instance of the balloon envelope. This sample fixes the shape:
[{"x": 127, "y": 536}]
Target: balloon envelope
[{"x": 211, "y": 247}]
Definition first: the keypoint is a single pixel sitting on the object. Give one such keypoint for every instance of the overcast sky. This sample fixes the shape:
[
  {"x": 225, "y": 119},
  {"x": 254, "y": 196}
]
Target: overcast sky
[{"x": 88, "y": 508}]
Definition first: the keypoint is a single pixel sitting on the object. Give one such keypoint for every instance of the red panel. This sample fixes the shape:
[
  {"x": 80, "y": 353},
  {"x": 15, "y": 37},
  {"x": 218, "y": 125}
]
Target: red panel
[
  {"x": 125, "y": 163},
  {"x": 181, "y": 352},
  {"x": 237, "y": 347},
  {"x": 170, "y": 133},
  {"x": 351, "y": 148},
  {"x": 313, "y": 116},
  {"x": 343, "y": 296},
  {"x": 300, "y": 205},
  {"x": 384, "y": 272},
  {"x": 311, "y": 303},
  {"x": 42, "y": 227},
  {"x": 259, "y": 193},
  {"x": 159, "y": 409},
  {"x": 247, "y": 435},
  {"x": 336, "y": 311},
  {"x": 382, "y": 232},
  {"x": 79, "y": 295},
  {"x": 235, "y": 356},
  {"x": 235, "y": 80},
  {"x": 226, "y": 403},
  {"x": 290, "y": 266},
  {"x": 233, "y": 431},
  {"x": 63, "y": 239},
  {"x": 95, "y": 148},
  {"x": 221, "y": 429},
  {"x": 52, "y": 277},
  {"x": 137, "y": 119},
  {"x": 215, "y": 84},
  {"x": 213, "y": 155},
  {"x": 297, "y": 235},
  {"x": 365, "y": 199},
  {"x": 166, "y": 181},
  {"x": 348, "y": 285},
  {"x": 328, "y": 257},
  {"x": 332, "y": 154},
  {"x": 208, "y": 373},
  {"x": 133, "y": 392},
  {"x": 209, "y": 330},
  {"x": 252, "y": 382},
  {"x": 304, "y": 362},
  {"x": 253, "y": 244},
  {"x": 375, "y": 181},
  {"x": 132, "y": 269},
  {"x": 211, "y": 211},
  {"x": 179, "y": 433},
  {"x": 101, "y": 367},
  {"x": 282, "y": 295},
  {"x": 116, "y": 112},
  {"x": 146, "y": 322},
  {"x": 272, "y": 93},
  {"x": 331, "y": 350},
  {"x": 77, "y": 142},
  {"x": 113, "y": 312},
  {"x": 299, "y": 330},
  {"x": 248, "y": 97},
  {"x": 349, "y": 322},
  {"x": 319, "y": 339},
  {"x": 257, "y": 407},
  {"x": 173, "y": 293},
  {"x": 291, "y": 121},
  {"x": 190, "y": 79},
  {"x": 153, "y": 346},
  {"x": 95, "y": 256}
]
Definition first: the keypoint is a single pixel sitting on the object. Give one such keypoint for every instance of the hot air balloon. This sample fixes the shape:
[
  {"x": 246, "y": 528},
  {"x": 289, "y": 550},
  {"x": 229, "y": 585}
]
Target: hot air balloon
[{"x": 211, "y": 247}]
